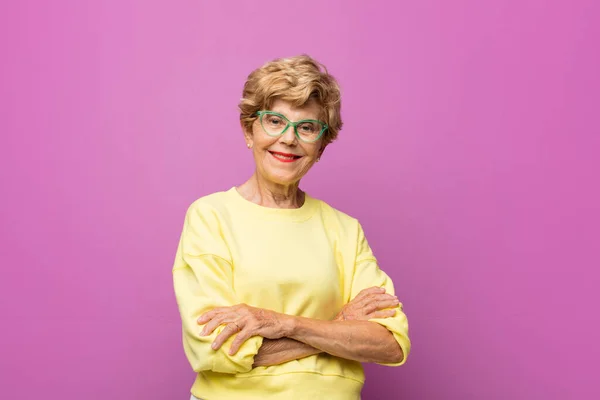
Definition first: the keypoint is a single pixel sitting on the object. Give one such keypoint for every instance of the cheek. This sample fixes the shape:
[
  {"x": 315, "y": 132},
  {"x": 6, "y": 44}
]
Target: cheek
[
  {"x": 263, "y": 142},
  {"x": 312, "y": 152}
]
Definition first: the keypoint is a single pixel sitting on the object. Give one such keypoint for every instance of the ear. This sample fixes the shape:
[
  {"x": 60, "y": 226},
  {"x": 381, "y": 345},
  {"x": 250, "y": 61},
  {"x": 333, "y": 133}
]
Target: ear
[{"x": 247, "y": 134}]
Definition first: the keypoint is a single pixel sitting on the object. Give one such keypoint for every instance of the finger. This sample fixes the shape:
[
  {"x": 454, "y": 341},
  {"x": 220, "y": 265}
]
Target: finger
[
  {"x": 384, "y": 296},
  {"x": 382, "y": 314},
  {"x": 378, "y": 305},
  {"x": 229, "y": 330},
  {"x": 368, "y": 291},
  {"x": 380, "y": 296},
  {"x": 374, "y": 298},
  {"x": 241, "y": 337},
  {"x": 207, "y": 316},
  {"x": 213, "y": 324},
  {"x": 369, "y": 299},
  {"x": 386, "y": 303}
]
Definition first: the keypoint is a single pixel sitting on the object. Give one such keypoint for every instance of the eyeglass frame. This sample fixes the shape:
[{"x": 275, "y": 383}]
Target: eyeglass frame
[{"x": 294, "y": 124}]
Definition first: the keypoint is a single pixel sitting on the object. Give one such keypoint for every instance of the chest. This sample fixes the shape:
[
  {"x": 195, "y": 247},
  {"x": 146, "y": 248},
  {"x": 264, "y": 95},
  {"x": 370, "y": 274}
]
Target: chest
[{"x": 288, "y": 268}]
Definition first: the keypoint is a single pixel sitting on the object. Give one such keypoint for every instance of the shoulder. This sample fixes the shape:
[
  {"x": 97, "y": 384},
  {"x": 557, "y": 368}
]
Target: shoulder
[
  {"x": 210, "y": 200},
  {"x": 211, "y": 205},
  {"x": 337, "y": 219}
]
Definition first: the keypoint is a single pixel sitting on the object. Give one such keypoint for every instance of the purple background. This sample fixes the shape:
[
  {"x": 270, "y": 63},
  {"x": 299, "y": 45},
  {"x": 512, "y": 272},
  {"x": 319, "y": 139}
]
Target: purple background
[{"x": 469, "y": 153}]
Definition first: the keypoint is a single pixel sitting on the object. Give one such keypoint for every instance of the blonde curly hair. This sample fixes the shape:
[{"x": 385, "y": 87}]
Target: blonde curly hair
[{"x": 297, "y": 80}]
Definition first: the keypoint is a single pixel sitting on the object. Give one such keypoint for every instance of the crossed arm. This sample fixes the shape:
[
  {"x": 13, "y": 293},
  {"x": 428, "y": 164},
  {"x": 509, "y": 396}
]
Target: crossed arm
[{"x": 350, "y": 335}]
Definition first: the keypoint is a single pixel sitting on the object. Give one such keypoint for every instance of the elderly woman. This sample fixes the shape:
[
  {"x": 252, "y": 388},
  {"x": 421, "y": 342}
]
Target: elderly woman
[{"x": 279, "y": 293}]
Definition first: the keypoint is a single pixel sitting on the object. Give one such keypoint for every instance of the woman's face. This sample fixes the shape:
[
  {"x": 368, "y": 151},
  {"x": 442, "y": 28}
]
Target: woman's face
[{"x": 285, "y": 159}]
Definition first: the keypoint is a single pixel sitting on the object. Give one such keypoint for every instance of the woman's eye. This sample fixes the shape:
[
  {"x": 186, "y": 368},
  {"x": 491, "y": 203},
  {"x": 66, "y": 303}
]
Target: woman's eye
[{"x": 307, "y": 128}]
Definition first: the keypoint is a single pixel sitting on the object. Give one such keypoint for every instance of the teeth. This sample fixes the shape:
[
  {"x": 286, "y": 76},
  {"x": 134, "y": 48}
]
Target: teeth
[{"x": 285, "y": 157}]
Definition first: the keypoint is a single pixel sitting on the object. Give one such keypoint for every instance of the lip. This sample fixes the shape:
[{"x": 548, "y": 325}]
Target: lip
[{"x": 275, "y": 155}]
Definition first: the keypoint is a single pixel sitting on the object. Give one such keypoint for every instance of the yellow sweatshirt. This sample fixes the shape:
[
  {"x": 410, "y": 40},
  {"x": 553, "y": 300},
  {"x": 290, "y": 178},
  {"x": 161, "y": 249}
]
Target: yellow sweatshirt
[{"x": 308, "y": 262}]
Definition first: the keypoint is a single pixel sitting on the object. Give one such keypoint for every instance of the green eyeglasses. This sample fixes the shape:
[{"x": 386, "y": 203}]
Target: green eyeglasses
[{"x": 307, "y": 130}]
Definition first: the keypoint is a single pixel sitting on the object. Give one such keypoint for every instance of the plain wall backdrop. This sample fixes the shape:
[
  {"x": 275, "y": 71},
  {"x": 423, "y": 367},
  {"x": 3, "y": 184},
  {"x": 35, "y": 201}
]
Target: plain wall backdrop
[{"x": 469, "y": 153}]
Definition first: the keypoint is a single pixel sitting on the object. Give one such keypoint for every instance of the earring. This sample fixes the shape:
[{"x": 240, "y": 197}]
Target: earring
[
  {"x": 318, "y": 159},
  {"x": 249, "y": 145}
]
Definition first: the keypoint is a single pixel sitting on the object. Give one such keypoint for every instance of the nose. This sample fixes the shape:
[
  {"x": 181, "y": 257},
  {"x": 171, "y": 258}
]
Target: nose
[{"x": 289, "y": 137}]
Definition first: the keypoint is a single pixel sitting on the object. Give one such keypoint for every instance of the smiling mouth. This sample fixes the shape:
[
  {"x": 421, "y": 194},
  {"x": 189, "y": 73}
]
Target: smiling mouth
[{"x": 284, "y": 157}]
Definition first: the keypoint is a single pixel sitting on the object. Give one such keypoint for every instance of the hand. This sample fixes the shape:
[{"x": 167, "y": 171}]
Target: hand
[
  {"x": 369, "y": 303},
  {"x": 244, "y": 320}
]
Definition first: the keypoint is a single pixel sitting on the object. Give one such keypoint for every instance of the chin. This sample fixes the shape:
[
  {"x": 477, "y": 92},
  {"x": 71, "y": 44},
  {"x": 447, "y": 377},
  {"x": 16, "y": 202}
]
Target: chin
[
  {"x": 283, "y": 175},
  {"x": 283, "y": 179}
]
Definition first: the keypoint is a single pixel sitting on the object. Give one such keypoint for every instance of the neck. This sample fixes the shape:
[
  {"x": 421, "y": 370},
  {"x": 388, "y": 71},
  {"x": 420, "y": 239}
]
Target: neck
[{"x": 270, "y": 194}]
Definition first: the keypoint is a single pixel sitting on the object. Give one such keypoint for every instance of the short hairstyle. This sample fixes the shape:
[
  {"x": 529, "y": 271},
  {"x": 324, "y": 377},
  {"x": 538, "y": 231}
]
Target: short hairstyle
[{"x": 297, "y": 80}]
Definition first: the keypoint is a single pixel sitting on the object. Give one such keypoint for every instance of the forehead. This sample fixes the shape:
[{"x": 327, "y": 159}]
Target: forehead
[{"x": 310, "y": 109}]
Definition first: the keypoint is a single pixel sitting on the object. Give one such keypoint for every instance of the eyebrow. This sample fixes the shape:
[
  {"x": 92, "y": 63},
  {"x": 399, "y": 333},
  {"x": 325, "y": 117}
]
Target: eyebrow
[{"x": 301, "y": 119}]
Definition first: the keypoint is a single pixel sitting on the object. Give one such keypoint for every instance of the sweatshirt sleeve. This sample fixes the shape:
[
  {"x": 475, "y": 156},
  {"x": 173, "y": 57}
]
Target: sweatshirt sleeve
[
  {"x": 367, "y": 274},
  {"x": 203, "y": 280}
]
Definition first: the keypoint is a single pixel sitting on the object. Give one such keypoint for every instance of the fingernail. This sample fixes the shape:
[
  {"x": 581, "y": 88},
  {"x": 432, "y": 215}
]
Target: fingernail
[
  {"x": 214, "y": 346},
  {"x": 203, "y": 332}
]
